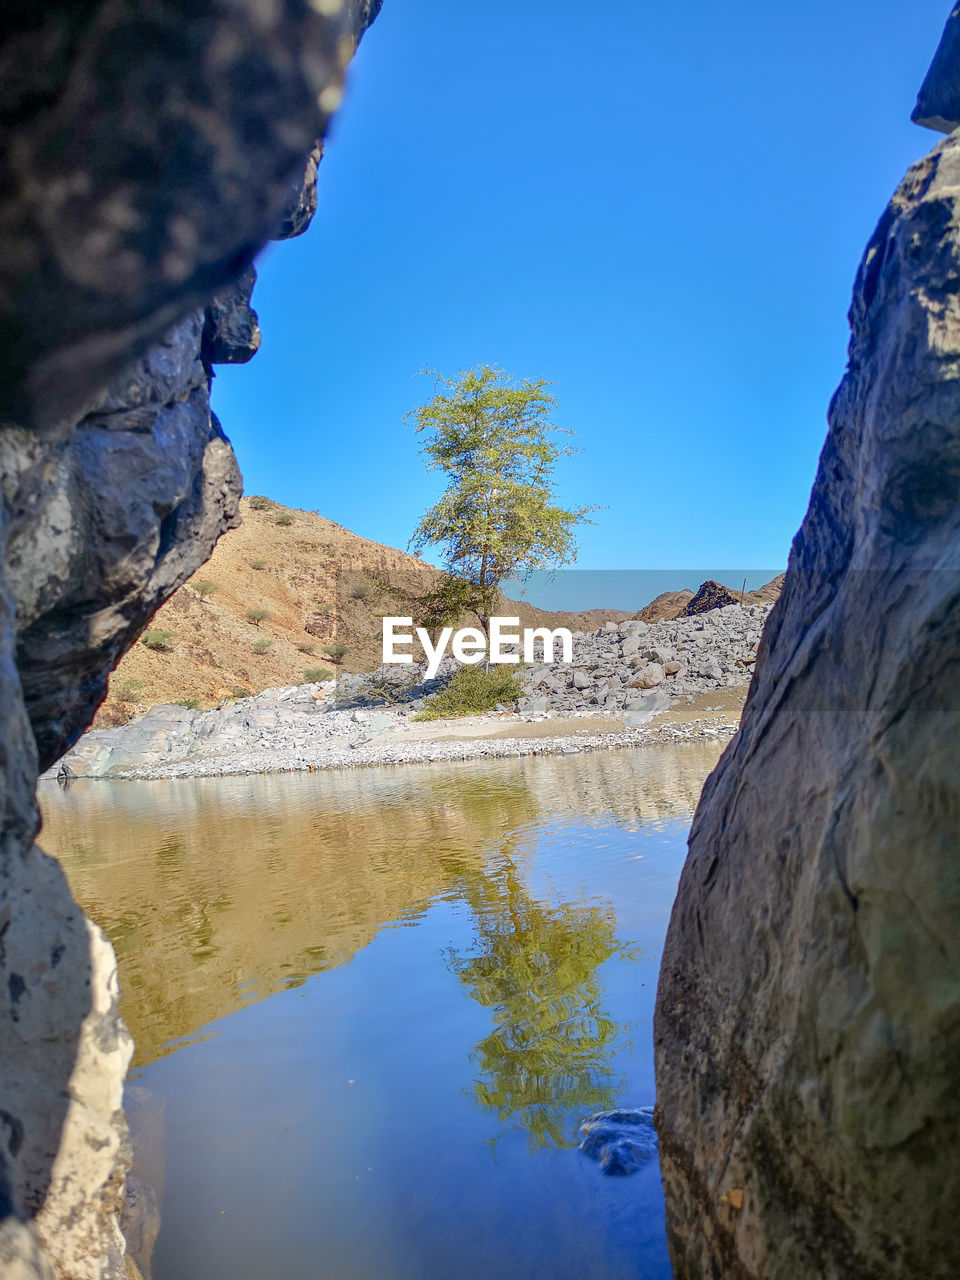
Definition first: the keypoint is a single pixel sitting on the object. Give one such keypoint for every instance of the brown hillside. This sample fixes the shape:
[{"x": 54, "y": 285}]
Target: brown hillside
[{"x": 318, "y": 584}]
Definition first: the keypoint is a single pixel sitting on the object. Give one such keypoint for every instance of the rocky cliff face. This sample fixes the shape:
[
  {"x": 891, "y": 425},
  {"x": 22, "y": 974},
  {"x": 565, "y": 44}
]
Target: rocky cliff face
[
  {"x": 808, "y": 1018},
  {"x": 149, "y": 151}
]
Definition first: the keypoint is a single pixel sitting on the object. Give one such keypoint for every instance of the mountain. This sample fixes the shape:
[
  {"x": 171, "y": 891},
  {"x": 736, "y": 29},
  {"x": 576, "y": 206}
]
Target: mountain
[
  {"x": 277, "y": 592},
  {"x": 316, "y": 585}
]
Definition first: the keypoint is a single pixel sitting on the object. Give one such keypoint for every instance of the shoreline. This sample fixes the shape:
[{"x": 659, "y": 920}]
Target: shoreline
[{"x": 503, "y": 736}]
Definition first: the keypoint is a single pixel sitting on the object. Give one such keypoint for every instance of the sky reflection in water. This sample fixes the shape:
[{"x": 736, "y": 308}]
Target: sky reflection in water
[{"x": 373, "y": 1006}]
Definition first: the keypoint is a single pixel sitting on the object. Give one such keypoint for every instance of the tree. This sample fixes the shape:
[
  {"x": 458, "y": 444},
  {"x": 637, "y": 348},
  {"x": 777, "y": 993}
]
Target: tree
[
  {"x": 205, "y": 588},
  {"x": 498, "y": 516},
  {"x": 547, "y": 1061}
]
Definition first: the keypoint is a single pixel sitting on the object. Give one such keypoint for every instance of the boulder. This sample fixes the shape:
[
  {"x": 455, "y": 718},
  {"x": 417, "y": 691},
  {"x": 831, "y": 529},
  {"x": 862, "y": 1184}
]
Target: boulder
[
  {"x": 938, "y": 102},
  {"x": 807, "y": 1028},
  {"x": 711, "y": 595},
  {"x": 117, "y": 478},
  {"x": 709, "y": 667},
  {"x": 647, "y": 677}
]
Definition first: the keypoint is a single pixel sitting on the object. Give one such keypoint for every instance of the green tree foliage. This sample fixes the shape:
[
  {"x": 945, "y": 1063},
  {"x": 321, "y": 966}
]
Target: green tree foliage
[
  {"x": 205, "y": 588},
  {"x": 498, "y": 517},
  {"x": 547, "y": 1061}
]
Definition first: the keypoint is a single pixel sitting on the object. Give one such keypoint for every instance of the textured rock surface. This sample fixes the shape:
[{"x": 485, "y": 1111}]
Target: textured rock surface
[
  {"x": 711, "y": 595},
  {"x": 808, "y": 1018},
  {"x": 154, "y": 152},
  {"x": 938, "y": 102},
  {"x": 149, "y": 151}
]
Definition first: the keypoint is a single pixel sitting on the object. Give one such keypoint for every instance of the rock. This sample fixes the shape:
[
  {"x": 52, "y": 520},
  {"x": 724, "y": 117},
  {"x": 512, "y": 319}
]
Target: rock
[
  {"x": 631, "y": 645},
  {"x": 938, "y": 102},
  {"x": 117, "y": 479},
  {"x": 231, "y": 329},
  {"x": 641, "y": 711},
  {"x": 673, "y": 668},
  {"x": 621, "y": 1140},
  {"x": 711, "y": 595},
  {"x": 534, "y": 706},
  {"x": 656, "y": 654},
  {"x": 580, "y": 680},
  {"x": 807, "y": 1028},
  {"x": 669, "y": 604},
  {"x": 709, "y": 667},
  {"x": 647, "y": 677}
]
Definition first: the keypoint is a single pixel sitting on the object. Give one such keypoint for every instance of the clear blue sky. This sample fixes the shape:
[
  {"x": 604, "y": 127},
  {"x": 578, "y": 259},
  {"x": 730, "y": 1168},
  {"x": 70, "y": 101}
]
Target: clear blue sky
[{"x": 659, "y": 206}]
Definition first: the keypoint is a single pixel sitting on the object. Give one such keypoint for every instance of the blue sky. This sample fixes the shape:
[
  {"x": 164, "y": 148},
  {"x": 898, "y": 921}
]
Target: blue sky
[{"x": 658, "y": 206}]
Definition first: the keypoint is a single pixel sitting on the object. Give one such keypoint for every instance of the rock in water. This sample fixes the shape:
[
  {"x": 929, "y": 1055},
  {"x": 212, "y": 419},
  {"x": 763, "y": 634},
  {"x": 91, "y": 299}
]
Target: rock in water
[
  {"x": 808, "y": 1016},
  {"x": 621, "y": 1140}
]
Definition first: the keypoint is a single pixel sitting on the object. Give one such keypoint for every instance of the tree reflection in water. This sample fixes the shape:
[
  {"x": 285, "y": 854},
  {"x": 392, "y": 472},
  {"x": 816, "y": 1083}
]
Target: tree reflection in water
[{"x": 547, "y": 1062}]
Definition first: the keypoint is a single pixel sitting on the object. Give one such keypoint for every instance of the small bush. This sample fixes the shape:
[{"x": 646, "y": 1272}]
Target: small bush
[
  {"x": 314, "y": 675},
  {"x": 192, "y": 704},
  {"x": 378, "y": 689},
  {"x": 205, "y": 588},
  {"x": 322, "y": 610},
  {"x": 336, "y": 652},
  {"x": 259, "y": 503},
  {"x": 159, "y": 641},
  {"x": 473, "y": 690},
  {"x": 308, "y": 649},
  {"x": 362, "y": 589},
  {"x": 261, "y": 646},
  {"x": 258, "y": 564},
  {"x": 256, "y": 616},
  {"x": 238, "y": 691},
  {"x": 128, "y": 689},
  {"x": 285, "y": 519}
]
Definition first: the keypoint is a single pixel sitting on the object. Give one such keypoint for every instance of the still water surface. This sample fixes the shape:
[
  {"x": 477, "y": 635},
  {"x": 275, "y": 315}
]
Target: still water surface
[{"x": 371, "y": 1008}]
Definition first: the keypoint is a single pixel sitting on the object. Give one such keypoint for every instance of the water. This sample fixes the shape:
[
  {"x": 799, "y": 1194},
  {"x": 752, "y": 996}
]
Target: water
[{"x": 371, "y": 1008}]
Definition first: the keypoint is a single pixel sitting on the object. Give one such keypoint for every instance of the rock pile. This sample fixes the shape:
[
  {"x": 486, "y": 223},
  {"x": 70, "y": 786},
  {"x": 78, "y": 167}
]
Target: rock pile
[
  {"x": 618, "y": 667},
  {"x": 628, "y": 672}
]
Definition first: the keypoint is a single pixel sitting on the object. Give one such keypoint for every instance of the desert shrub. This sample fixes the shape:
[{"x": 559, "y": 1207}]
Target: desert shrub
[
  {"x": 378, "y": 689},
  {"x": 238, "y": 691},
  {"x": 259, "y": 503},
  {"x": 258, "y": 564},
  {"x": 256, "y": 616},
  {"x": 361, "y": 589},
  {"x": 128, "y": 689},
  {"x": 313, "y": 675},
  {"x": 261, "y": 646},
  {"x": 192, "y": 704},
  {"x": 473, "y": 690},
  {"x": 308, "y": 649},
  {"x": 159, "y": 641},
  {"x": 336, "y": 652},
  {"x": 322, "y": 610},
  {"x": 285, "y": 519},
  {"x": 205, "y": 588}
]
